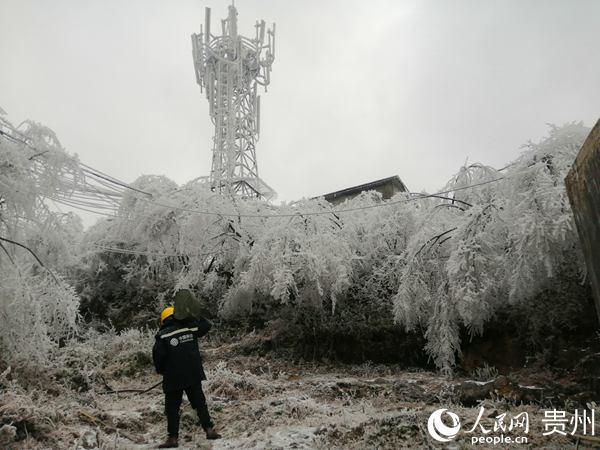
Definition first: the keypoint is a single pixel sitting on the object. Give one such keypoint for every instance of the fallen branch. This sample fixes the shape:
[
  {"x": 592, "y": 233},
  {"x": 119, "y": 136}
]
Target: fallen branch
[
  {"x": 451, "y": 199},
  {"x": 434, "y": 239},
  {"x": 32, "y": 157},
  {"x": 34, "y": 255},
  {"x": 138, "y": 391},
  {"x": 7, "y": 254}
]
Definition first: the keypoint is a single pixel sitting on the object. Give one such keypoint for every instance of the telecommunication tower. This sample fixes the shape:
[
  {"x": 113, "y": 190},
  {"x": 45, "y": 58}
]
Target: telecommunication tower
[{"x": 229, "y": 69}]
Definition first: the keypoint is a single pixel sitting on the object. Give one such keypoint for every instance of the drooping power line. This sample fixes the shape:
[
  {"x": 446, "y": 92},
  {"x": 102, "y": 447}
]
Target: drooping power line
[{"x": 102, "y": 194}]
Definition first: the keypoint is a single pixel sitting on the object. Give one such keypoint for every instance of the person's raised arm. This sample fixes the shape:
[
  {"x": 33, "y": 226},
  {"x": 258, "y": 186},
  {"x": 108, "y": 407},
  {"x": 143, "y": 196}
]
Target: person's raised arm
[{"x": 203, "y": 326}]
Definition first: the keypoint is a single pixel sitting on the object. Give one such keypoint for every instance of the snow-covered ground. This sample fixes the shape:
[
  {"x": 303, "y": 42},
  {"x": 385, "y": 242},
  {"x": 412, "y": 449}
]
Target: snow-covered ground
[{"x": 256, "y": 402}]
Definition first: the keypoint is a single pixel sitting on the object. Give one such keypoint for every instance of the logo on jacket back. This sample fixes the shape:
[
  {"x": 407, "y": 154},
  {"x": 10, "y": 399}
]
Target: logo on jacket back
[
  {"x": 186, "y": 337},
  {"x": 174, "y": 342}
]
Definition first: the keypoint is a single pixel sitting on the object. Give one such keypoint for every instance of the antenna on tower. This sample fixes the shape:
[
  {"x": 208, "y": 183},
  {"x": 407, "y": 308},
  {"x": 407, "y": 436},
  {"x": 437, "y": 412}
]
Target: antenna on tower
[{"x": 229, "y": 69}]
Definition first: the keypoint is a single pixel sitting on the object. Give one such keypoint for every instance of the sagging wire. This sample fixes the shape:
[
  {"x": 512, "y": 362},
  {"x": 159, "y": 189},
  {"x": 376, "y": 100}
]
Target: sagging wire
[
  {"x": 87, "y": 202},
  {"x": 159, "y": 255},
  {"x": 337, "y": 211}
]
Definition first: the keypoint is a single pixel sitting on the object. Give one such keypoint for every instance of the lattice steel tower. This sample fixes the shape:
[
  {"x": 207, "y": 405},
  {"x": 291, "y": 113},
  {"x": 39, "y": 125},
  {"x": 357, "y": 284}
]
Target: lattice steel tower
[{"x": 229, "y": 69}]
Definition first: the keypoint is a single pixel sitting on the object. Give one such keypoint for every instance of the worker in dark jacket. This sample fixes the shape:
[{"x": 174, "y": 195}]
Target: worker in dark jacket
[{"x": 177, "y": 358}]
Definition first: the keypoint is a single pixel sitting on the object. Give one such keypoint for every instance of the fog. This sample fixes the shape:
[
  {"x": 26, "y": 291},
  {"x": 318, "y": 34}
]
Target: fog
[{"x": 359, "y": 91}]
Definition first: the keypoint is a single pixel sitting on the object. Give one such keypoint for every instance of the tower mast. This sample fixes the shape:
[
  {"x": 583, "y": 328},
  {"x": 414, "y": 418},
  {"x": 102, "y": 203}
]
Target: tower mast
[{"x": 229, "y": 67}]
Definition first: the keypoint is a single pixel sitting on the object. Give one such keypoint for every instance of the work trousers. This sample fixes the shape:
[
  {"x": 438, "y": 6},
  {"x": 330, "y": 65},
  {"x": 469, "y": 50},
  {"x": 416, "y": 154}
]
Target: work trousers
[{"x": 197, "y": 400}]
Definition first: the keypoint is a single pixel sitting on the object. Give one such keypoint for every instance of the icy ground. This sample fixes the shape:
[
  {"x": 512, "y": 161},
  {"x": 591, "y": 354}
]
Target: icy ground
[{"x": 256, "y": 402}]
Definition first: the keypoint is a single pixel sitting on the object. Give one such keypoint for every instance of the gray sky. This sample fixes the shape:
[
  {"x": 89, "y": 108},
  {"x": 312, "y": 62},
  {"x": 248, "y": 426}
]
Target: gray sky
[{"x": 360, "y": 90}]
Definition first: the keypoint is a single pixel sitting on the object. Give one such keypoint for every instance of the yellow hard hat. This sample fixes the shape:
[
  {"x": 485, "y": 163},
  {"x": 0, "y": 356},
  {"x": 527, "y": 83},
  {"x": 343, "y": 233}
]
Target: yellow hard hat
[{"x": 167, "y": 312}]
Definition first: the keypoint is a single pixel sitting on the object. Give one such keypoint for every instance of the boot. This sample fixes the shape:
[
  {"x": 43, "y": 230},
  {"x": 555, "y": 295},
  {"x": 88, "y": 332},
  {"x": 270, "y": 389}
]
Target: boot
[
  {"x": 211, "y": 433},
  {"x": 171, "y": 442}
]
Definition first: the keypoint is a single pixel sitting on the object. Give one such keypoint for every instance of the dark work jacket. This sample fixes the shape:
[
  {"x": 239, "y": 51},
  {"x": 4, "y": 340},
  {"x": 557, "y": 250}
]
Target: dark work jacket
[{"x": 176, "y": 355}]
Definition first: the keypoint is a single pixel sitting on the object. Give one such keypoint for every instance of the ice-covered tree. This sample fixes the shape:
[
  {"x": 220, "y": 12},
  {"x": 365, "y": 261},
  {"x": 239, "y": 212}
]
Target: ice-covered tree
[
  {"x": 37, "y": 306},
  {"x": 443, "y": 262},
  {"x": 499, "y": 243}
]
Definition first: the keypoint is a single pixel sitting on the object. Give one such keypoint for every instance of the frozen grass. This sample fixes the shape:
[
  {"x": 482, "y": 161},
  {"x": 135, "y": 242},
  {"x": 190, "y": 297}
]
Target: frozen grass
[{"x": 256, "y": 402}]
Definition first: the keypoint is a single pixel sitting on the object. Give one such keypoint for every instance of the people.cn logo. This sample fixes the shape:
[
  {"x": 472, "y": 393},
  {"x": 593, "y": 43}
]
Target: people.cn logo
[{"x": 439, "y": 430}]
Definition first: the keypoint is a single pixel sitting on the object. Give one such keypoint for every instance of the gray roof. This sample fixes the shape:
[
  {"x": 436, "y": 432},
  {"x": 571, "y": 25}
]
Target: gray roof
[{"x": 367, "y": 187}]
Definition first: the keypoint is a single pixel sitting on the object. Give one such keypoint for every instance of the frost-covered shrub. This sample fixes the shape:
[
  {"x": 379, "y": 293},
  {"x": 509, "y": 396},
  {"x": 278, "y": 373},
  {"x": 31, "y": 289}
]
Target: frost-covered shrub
[
  {"x": 443, "y": 264},
  {"x": 38, "y": 314},
  {"x": 28, "y": 412},
  {"x": 129, "y": 352},
  {"x": 38, "y": 309},
  {"x": 505, "y": 243},
  {"x": 230, "y": 384},
  {"x": 107, "y": 348},
  {"x": 300, "y": 259},
  {"x": 114, "y": 291}
]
